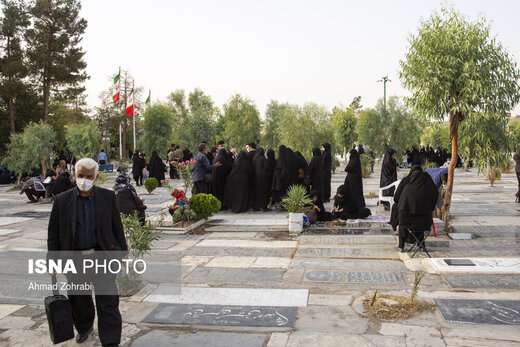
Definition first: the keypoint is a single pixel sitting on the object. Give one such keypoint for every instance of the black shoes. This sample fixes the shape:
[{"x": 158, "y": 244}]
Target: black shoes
[
  {"x": 82, "y": 337},
  {"x": 399, "y": 249}
]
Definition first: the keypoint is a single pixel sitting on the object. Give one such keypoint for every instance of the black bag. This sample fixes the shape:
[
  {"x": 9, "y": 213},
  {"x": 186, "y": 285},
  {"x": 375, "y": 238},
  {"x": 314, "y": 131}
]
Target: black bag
[{"x": 59, "y": 316}]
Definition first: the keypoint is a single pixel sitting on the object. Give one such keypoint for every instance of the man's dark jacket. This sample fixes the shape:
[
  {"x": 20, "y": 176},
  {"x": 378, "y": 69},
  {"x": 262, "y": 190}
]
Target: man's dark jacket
[{"x": 62, "y": 223}]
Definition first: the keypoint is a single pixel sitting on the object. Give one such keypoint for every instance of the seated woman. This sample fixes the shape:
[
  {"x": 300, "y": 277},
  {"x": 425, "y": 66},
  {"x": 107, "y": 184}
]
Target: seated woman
[
  {"x": 416, "y": 205},
  {"x": 346, "y": 206},
  {"x": 394, "y": 215},
  {"x": 318, "y": 210},
  {"x": 127, "y": 198}
]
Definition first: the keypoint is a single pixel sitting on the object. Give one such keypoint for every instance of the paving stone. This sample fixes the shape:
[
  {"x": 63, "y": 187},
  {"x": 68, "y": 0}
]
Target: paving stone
[
  {"x": 479, "y": 311},
  {"x": 348, "y": 264},
  {"x": 252, "y": 221},
  {"x": 12, "y": 220},
  {"x": 202, "y": 275},
  {"x": 371, "y": 253},
  {"x": 247, "y": 243},
  {"x": 491, "y": 332},
  {"x": 355, "y": 277},
  {"x": 238, "y": 230},
  {"x": 217, "y": 315},
  {"x": 7, "y": 309},
  {"x": 239, "y": 251},
  {"x": 347, "y": 231},
  {"x": 182, "y": 237},
  {"x": 329, "y": 300},
  {"x": 232, "y": 262},
  {"x": 330, "y": 319},
  {"x": 345, "y": 239},
  {"x": 158, "y": 338},
  {"x": 163, "y": 245},
  {"x": 278, "y": 340},
  {"x": 31, "y": 214},
  {"x": 482, "y": 281},
  {"x": 4, "y": 232},
  {"x": 231, "y": 235},
  {"x": 196, "y": 260},
  {"x": 230, "y": 296},
  {"x": 482, "y": 265},
  {"x": 460, "y": 236},
  {"x": 272, "y": 263},
  {"x": 468, "y": 341},
  {"x": 302, "y": 338}
]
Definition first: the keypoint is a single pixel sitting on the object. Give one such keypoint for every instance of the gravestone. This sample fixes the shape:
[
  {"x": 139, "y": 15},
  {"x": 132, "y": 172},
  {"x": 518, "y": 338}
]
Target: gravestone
[
  {"x": 238, "y": 251},
  {"x": 372, "y": 253},
  {"x": 216, "y": 315},
  {"x": 482, "y": 281},
  {"x": 30, "y": 214},
  {"x": 503, "y": 312},
  {"x": 164, "y": 338},
  {"x": 459, "y": 262},
  {"x": 203, "y": 275},
  {"x": 344, "y": 239},
  {"x": 355, "y": 277},
  {"x": 348, "y": 264},
  {"x": 163, "y": 245},
  {"x": 346, "y": 231}
]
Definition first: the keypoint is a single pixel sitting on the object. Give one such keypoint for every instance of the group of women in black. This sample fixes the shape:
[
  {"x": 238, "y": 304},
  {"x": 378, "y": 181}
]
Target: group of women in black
[
  {"x": 256, "y": 179},
  {"x": 155, "y": 167}
]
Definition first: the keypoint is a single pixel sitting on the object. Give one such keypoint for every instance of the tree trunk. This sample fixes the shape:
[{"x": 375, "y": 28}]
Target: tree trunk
[
  {"x": 11, "y": 114},
  {"x": 454, "y": 128},
  {"x": 43, "y": 161},
  {"x": 46, "y": 99}
]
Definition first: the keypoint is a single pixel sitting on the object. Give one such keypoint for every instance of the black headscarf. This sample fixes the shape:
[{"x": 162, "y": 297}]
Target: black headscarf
[
  {"x": 394, "y": 215},
  {"x": 388, "y": 172},
  {"x": 156, "y": 167},
  {"x": 236, "y": 194},
  {"x": 420, "y": 194},
  {"x": 270, "y": 154},
  {"x": 221, "y": 174},
  {"x": 354, "y": 179},
  {"x": 302, "y": 163},
  {"x": 123, "y": 182}
]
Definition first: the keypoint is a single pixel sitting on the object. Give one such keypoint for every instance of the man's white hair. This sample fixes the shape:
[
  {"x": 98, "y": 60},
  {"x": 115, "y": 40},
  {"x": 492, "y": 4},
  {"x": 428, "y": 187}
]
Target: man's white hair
[{"x": 88, "y": 164}]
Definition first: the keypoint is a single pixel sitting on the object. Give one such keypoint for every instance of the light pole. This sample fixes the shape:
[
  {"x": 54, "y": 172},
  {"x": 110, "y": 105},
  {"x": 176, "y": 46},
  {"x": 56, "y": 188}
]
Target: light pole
[{"x": 384, "y": 79}]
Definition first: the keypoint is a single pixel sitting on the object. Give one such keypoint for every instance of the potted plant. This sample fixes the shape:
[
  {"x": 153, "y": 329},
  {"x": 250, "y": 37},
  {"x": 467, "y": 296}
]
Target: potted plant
[{"x": 294, "y": 202}]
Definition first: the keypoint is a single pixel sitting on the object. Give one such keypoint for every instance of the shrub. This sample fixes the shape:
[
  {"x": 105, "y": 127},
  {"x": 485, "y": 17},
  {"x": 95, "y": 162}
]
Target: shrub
[
  {"x": 204, "y": 205},
  {"x": 103, "y": 177},
  {"x": 150, "y": 184},
  {"x": 183, "y": 213},
  {"x": 366, "y": 165},
  {"x": 494, "y": 175},
  {"x": 335, "y": 163},
  {"x": 429, "y": 165},
  {"x": 296, "y": 199}
]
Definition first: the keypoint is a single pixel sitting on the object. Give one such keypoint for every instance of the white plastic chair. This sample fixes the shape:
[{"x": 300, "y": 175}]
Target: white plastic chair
[{"x": 389, "y": 199}]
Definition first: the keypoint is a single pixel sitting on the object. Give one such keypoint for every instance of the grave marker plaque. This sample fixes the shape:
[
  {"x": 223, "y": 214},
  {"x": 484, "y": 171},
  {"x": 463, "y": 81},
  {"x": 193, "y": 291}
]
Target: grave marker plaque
[
  {"x": 355, "y": 277},
  {"x": 503, "y": 312}
]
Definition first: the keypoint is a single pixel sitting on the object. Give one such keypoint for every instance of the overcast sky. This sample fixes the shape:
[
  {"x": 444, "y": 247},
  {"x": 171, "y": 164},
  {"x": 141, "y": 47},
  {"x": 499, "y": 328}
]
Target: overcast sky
[{"x": 298, "y": 51}]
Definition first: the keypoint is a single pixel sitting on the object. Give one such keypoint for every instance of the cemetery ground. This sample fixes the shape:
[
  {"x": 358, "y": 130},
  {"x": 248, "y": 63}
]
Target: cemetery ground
[{"x": 247, "y": 282}]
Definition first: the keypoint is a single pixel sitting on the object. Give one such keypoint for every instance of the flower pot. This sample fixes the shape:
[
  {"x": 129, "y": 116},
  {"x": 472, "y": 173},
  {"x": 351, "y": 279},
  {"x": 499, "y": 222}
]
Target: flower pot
[{"x": 295, "y": 223}]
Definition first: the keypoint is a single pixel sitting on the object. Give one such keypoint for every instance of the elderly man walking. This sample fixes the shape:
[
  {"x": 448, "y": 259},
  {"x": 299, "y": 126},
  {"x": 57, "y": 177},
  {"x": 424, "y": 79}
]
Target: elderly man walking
[{"x": 86, "y": 219}]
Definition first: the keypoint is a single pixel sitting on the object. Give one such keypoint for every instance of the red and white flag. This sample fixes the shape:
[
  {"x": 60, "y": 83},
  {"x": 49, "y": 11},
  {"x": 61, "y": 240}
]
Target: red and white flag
[
  {"x": 115, "y": 89},
  {"x": 130, "y": 104}
]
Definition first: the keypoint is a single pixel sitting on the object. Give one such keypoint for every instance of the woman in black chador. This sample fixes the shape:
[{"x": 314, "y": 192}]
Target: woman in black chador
[
  {"x": 388, "y": 173},
  {"x": 281, "y": 175},
  {"x": 394, "y": 215},
  {"x": 354, "y": 179},
  {"x": 316, "y": 173},
  {"x": 220, "y": 175},
  {"x": 327, "y": 170},
  {"x": 236, "y": 195},
  {"x": 263, "y": 178},
  {"x": 156, "y": 167}
]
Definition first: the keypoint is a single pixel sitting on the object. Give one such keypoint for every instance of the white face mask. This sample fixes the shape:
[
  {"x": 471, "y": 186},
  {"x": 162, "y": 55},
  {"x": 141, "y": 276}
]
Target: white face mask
[{"x": 84, "y": 184}]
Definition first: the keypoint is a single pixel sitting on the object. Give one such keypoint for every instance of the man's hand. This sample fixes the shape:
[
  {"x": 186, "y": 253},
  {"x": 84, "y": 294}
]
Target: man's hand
[
  {"x": 218, "y": 164},
  {"x": 438, "y": 212}
]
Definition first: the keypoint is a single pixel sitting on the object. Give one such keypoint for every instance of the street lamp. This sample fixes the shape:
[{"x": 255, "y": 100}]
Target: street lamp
[{"x": 384, "y": 79}]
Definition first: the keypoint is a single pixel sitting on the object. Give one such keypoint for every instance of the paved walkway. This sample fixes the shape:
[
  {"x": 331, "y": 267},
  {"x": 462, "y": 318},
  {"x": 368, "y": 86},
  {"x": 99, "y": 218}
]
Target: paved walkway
[{"x": 247, "y": 282}]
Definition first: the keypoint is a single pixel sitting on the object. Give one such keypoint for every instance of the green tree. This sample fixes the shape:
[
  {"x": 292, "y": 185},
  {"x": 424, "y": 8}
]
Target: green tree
[
  {"x": 273, "y": 116},
  {"x": 514, "y": 131},
  {"x": 454, "y": 67},
  {"x": 241, "y": 122},
  {"x": 200, "y": 124},
  {"x": 344, "y": 124},
  {"x": 19, "y": 159},
  {"x": 83, "y": 139},
  {"x": 12, "y": 66},
  {"x": 39, "y": 140},
  {"x": 436, "y": 135},
  {"x": 157, "y": 129},
  {"x": 53, "y": 48}
]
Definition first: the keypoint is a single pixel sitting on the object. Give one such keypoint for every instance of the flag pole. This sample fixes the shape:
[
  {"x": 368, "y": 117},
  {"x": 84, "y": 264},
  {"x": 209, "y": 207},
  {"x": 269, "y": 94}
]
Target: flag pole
[
  {"x": 120, "y": 143},
  {"x": 135, "y": 113}
]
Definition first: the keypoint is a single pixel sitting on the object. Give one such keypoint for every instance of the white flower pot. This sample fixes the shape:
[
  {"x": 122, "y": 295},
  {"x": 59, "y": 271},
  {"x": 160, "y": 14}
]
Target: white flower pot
[{"x": 295, "y": 223}]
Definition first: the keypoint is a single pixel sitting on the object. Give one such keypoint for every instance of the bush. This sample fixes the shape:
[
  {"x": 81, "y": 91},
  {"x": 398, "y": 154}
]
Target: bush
[
  {"x": 429, "y": 165},
  {"x": 335, "y": 163},
  {"x": 296, "y": 199},
  {"x": 494, "y": 175},
  {"x": 150, "y": 184},
  {"x": 103, "y": 177},
  {"x": 366, "y": 165},
  {"x": 204, "y": 205}
]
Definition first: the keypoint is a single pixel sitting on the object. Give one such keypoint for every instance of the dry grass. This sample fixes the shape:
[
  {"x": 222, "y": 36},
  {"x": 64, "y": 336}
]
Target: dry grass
[
  {"x": 371, "y": 195},
  {"x": 402, "y": 309}
]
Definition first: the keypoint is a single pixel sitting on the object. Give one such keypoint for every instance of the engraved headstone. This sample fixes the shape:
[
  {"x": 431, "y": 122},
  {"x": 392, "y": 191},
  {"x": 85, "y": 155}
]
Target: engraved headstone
[
  {"x": 235, "y": 275},
  {"x": 352, "y": 252},
  {"x": 238, "y": 251},
  {"x": 459, "y": 262},
  {"x": 355, "y": 277},
  {"x": 506, "y": 312},
  {"x": 482, "y": 280},
  {"x": 216, "y": 315},
  {"x": 348, "y": 264},
  {"x": 166, "y": 338}
]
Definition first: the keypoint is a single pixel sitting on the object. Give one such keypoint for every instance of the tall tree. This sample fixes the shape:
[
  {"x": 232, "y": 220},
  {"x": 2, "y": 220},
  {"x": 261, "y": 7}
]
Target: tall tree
[
  {"x": 273, "y": 117},
  {"x": 344, "y": 124},
  {"x": 83, "y": 139},
  {"x": 201, "y": 124},
  {"x": 13, "y": 67},
  {"x": 157, "y": 128},
  {"x": 53, "y": 48},
  {"x": 242, "y": 121},
  {"x": 454, "y": 67}
]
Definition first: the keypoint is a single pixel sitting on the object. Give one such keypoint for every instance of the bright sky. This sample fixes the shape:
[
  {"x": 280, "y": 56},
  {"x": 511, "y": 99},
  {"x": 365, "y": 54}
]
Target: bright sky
[{"x": 290, "y": 50}]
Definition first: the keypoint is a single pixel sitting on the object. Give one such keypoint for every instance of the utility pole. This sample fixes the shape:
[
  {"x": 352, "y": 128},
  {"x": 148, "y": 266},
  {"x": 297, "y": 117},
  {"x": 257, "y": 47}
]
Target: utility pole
[{"x": 384, "y": 79}]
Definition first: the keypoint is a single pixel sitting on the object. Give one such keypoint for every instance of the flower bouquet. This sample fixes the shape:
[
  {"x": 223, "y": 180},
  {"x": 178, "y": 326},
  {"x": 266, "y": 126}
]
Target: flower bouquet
[{"x": 184, "y": 168}]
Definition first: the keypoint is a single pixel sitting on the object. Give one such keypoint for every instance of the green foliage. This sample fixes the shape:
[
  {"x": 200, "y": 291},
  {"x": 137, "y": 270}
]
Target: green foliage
[
  {"x": 241, "y": 122},
  {"x": 204, "y": 205},
  {"x": 53, "y": 48},
  {"x": 39, "y": 138},
  {"x": 344, "y": 125},
  {"x": 296, "y": 199},
  {"x": 129, "y": 284},
  {"x": 436, "y": 135},
  {"x": 158, "y": 126},
  {"x": 374, "y": 299},
  {"x": 394, "y": 127},
  {"x": 19, "y": 159},
  {"x": 83, "y": 139},
  {"x": 494, "y": 174},
  {"x": 429, "y": 165},
  {"x": 366, "y": 165},
  {"x": 274, "y": 114},
  {"x": 151, "y": 184},
  {"x": 454, "y": 65},
  {"x": 419, "y": 275},
  {"x": 335, "y": 163},
  {"x": 183, "y": 213},
  {"x": 514, "y": 133},
  {"x": 103, "y": 177},
  {"x": 139, "y": 237},
  {"x": 296, "y": 124}
]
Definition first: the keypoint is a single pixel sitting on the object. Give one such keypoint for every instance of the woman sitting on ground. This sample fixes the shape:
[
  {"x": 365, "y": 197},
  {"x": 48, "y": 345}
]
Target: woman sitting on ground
[
  {"x": 416, "y": 205},
  {"x": 346, "y": 206},
  {"x": 318, "y": 209},
  {"x": 127, "y": 198}
]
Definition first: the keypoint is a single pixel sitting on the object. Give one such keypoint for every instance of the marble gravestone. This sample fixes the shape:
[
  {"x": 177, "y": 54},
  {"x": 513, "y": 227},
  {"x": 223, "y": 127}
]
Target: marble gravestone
[{"x": 454, "y": 311}]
